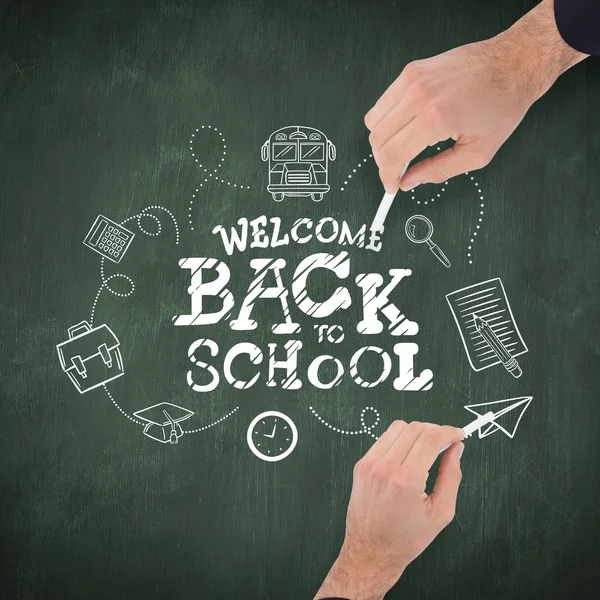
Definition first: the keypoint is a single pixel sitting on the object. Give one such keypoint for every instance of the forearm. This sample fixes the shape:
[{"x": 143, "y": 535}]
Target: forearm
[
  {"x": 537, "y": 51},
  {"x": 352, "y": 577}
]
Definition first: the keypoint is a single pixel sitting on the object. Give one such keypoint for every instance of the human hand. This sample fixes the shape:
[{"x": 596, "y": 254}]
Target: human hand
[
  {"x": 391, "y": 520},
  {"x": 475, "y": 94}
]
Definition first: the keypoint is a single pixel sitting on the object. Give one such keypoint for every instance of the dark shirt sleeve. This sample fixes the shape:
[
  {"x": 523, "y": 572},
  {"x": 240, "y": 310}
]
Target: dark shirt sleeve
[{"x": 578, "y": 23}]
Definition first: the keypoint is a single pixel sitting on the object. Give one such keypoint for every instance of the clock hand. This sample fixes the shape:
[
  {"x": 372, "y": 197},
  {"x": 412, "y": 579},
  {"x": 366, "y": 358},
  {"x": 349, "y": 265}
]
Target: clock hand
[{"x": 272, "y": 433}]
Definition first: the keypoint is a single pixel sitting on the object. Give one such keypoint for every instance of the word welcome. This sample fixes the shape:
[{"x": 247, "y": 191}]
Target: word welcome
[{"x": 267, "y": 234}]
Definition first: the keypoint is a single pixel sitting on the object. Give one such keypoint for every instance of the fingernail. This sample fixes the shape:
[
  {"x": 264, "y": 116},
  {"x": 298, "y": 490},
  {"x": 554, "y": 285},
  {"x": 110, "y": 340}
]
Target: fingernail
[{"x": 460, "y": 450}]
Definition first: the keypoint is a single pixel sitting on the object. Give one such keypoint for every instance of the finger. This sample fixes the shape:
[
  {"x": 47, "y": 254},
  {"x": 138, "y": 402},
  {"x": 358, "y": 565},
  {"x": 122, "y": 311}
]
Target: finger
[
  {"x": 427, "y": 447},
  {"x": 385, "y": 442},
  {"x": 445, "y": 490},
  {"x": 391, "y": 97},
  {"x": 395, "y": 120},
  {"x": 401, "y": 149},
  {"x": 403, "y": 444},
  {"x": 457, "y": 160}
]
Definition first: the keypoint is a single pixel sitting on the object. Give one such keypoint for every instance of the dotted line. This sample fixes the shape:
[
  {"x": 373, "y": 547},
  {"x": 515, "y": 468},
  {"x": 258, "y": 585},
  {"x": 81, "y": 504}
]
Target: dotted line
[
  {"x": 145, "y": 213},
  {"x": 105, "y": 285},
  {"x": 222, "y": 140},
  {"x": 480, "y": 218},
  {"x": 207, "y": 171},
  {"x": 213, "y": 424},
  {"x": 149, "y": 233},
  {"x": 115, "y": 276},
  {"x": 358, "y": 166},
  {"x": 365, "y": 429},
  {"x": 120, "y": 409}
]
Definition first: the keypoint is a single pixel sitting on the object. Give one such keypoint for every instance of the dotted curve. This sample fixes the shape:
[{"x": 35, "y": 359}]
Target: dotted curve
[
  {"x": 213, "y": 424},
  {"x": 149, "y": 233},
  {"x": 480, "y": 218},
  {"x": 105, "y": 280},
  {"x": 120, "y": 409},
  {"x": 146, "y": 213},
  {"x": 365, "y": 429},
  {"x": 105, "y": 285},
  {"x": 358, "y": 166},
  {"x": 438, "y": 195},
  {"x": 208, "y": 173}
]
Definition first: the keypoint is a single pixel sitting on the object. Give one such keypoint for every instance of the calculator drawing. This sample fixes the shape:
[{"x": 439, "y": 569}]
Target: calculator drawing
[{"x": 109, "y": 239}]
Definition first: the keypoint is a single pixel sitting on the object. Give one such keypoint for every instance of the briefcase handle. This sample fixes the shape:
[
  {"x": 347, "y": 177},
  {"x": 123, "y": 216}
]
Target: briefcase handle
[{"x": 80, "y": 327}]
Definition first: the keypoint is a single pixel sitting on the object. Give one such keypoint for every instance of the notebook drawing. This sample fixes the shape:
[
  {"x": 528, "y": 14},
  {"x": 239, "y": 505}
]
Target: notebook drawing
[{"x": 488, "y": 301}]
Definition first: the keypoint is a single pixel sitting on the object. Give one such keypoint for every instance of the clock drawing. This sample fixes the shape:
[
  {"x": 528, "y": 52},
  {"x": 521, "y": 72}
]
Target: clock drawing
[{"x": 272, "y": 436}]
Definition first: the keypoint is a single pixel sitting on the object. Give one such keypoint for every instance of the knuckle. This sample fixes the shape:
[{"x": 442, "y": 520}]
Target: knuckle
[
  {"x": 362, "y": 467},
  {"x": 412, "y": 71},
  {"x": 379, "y": 473},
  {"x": 415, "y": 426},
  {"x": 433, "y": 115},
  {"x": 369, "y": 120},
  {"x": 401, "y": 481},
  {"x": 419, "y": 90},
  {"x": 376, "y": 139},
  {"x": 396, "y": 425}
]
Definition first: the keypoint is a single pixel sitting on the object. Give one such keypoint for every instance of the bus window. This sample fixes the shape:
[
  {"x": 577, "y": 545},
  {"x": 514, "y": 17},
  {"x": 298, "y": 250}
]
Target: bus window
[
  {"x": 284, "y": 152},
  {"x": 311, "y": 151}
]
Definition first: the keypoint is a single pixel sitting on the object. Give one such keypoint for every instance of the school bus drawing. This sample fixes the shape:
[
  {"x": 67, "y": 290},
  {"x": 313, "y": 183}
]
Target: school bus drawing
[{"x": 298, "y": 162}]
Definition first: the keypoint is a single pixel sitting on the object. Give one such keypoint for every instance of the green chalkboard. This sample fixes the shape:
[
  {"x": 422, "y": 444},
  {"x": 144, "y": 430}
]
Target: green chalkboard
[{"x": 135, "y": 135}]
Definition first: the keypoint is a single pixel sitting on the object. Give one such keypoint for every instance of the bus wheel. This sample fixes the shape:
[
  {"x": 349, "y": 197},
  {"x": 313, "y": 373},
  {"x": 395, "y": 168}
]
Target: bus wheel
[
  {"x": 277, "y": 196},
  {"x": 317, "y": 197}
]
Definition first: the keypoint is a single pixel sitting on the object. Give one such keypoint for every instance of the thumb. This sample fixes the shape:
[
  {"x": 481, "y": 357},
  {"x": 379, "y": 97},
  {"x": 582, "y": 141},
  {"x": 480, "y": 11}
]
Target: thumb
[
  {"x": 439, "y": 168},
  {"x": 445, "y": 490}
]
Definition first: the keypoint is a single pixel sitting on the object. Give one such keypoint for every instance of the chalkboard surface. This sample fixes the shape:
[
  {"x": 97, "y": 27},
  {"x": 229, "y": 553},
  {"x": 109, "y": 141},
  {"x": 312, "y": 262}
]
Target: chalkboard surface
[{"x": 131, "y": 137}]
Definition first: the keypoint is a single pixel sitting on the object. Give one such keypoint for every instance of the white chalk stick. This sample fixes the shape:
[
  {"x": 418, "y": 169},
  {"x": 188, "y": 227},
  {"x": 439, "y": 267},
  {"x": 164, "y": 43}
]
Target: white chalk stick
[{"x": 384, "y": 206}]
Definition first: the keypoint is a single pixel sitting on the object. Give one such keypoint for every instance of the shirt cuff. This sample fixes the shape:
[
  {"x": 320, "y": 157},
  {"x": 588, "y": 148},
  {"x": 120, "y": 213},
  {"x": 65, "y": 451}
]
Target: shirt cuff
[{"x": 578, "y": 23}]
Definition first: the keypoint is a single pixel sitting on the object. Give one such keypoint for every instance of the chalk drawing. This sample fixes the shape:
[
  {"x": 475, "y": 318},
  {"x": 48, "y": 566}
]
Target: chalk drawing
[
  {"x": 365, "y": 429},
  {"x": 272, "y": 436},
  {"x": 432, "y": 199},
  {"x": 108, "y": 239},
  {"x": 163, "y": 421},
  {"x": 419, "y": 230},
  {"x": 507, "y": 415},
  {"x": 298, "y": 162},
  {"x": 487, "y": 327},
  {"x": 91, "y": 356},
  {"x": 208, "y": 172}
]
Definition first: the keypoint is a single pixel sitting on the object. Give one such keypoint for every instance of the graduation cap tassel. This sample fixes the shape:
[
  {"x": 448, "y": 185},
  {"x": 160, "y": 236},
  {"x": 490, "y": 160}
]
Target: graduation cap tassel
[{"x": 173, "y": 439}]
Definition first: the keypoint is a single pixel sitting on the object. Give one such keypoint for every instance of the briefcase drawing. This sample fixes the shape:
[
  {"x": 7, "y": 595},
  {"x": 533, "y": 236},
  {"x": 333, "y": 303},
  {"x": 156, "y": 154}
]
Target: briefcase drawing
[{"x": 91, "y": 356}]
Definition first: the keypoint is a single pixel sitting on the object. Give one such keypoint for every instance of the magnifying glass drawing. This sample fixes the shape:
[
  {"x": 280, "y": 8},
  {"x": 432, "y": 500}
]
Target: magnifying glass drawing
[{"x": 419, "y": 230}]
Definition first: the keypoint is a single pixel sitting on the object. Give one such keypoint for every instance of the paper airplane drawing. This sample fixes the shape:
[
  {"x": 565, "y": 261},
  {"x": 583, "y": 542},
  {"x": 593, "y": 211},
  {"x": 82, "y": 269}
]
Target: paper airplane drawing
[{"x": 507, "y": 415}]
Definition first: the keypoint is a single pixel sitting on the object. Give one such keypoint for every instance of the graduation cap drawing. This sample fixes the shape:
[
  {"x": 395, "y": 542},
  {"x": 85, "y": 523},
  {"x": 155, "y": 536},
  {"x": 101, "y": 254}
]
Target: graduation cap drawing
[
  {"x": 507, "y": 415},
  {"x": 162, "y": 421}
]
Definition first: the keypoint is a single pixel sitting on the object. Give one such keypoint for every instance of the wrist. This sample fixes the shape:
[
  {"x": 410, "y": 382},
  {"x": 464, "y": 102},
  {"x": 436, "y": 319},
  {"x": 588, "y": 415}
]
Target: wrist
[
  {"x": 535, "y": 52},
  {"x": 359, "y": 576}
]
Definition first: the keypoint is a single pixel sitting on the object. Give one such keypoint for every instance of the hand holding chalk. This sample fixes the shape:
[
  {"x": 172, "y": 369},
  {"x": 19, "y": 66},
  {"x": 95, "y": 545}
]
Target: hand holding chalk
[{"x": 474, "y": 426}]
